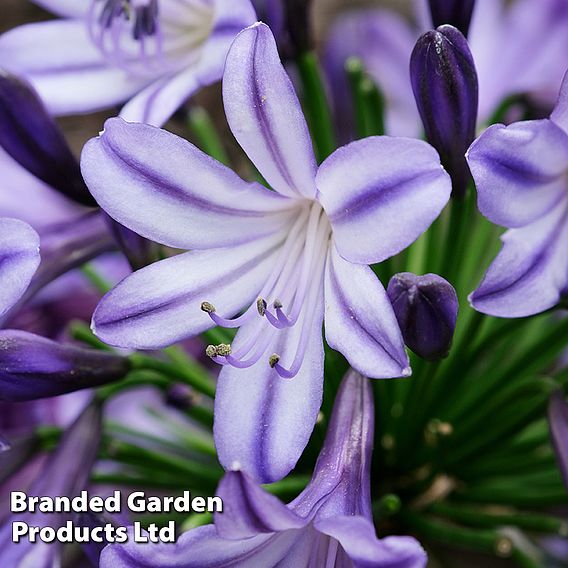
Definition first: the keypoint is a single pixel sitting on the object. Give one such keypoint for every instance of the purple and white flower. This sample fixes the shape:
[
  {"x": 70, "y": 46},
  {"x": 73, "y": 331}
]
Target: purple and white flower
[
  {"x": 328, "y": 524},
  {"x": 153, "y": 53},
  {"x": 289, "y": 255},
  {"x": 521, "y": 175}
]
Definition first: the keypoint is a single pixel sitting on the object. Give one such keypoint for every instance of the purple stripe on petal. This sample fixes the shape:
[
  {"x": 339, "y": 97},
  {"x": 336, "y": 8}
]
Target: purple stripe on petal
[
  {"x": 184, "y": 198},
  {"x": 161, "y": 303},
  {"x": 519, "y": 171},
  {"x": 380, "y": 195},
  {"x": 531, "y": 271},
  {"x": 558, "y": 423},
  {"x": 19, "y": 259},
  {"x": 360, "y": 322},
  {"x": 33, "y": 367},
  {"x": 264, "y": 113}
]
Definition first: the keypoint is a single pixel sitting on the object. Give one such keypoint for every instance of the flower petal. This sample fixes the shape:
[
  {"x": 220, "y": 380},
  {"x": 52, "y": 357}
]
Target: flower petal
[
  {"x": 341, "y": 483},
  {"x": 262, "y": 421},
  {"x": 380, "y": 195},
  {"x": 531, "y": 272},
  {"x": 19, "y": 259},
  {"x": 68, "y": 71},
  {"x": 519, "y": 170},
  {"x": 360, "y": 321},
  {"x": 249, "y": 510},
  {"x": 357, "y": 537},
  {"x": 184, "y": 198},
  {"x": 264, "y": 113},
  {"x": 161, "y": 303},
  {"x": 203, "y": 548}
]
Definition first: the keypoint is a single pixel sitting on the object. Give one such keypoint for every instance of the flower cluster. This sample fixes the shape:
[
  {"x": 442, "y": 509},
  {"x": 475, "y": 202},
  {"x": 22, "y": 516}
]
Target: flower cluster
[{"x": 248, "y": 298}]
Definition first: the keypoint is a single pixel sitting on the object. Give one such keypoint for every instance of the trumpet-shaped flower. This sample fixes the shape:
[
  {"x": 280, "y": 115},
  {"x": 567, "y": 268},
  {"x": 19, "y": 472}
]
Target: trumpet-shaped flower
[
  {"x": 328, "y": 525},
  {"x": 521, "y": 175},
  {"x": 152, "y": 53},
  {"x": 287, "y": 256}
]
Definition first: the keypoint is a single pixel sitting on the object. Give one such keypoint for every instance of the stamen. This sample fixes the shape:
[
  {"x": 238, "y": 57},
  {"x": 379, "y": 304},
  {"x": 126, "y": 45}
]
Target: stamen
[
  {"x": 138, "y": 18},
  {"x": 211, "y": 351},
  {"x": 208, "y": 307},
  {"x": 261, "y": 306},
  {"x": 273, "y": 360},
  {"x": 221, "y": 350}
]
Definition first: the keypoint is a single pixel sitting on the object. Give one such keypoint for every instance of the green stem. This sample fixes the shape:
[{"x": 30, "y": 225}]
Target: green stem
[
  {"x": 317, "y": 106},
  {"x": 99, "y": 283},
  {"x": 202, "y": 125},
  {"x": 194, "y": 375}
]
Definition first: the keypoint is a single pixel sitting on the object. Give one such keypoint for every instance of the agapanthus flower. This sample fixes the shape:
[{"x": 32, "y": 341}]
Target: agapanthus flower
[
  {"x": 329, "y": 524},
  {"x": 152, "y": 53},
  {"x": 518, "y": 48},
  {"x": 521, "y": 175},
  {"x": 426, "y": 308},
  {"x": 66, "y": 473},
  {"x": 285, "y": 253}
]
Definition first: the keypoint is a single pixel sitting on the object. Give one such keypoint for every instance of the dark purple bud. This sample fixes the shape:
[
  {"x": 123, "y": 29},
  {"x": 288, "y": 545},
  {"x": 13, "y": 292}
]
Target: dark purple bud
[
  {"x": 444, "y": 81},
  {"x": 66, "y": 473},
  {"x": 139, "y": 251},
  {"x": 455, "y": 12},
  {"x": 298, "y": 24},
  {"x": 33, "y": 367},
  {"x": 30, "y": 135},
  {"x": 180, "y": 396},
  {"x": 558, "y": 424},
  {"x": 426, "y": 308}
]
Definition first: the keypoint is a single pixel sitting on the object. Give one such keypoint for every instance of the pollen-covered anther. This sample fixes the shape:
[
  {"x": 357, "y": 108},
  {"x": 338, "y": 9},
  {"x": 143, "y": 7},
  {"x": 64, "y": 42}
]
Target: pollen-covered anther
[
  {"x": 273, "y": 360},
  {"x": 261, "y": 306},
  {"x": 277, "y": 304},
  {"x": 212, "y": 351},
  {"x": 207, "y": 307},
  {"x": 224, "y": 349}
]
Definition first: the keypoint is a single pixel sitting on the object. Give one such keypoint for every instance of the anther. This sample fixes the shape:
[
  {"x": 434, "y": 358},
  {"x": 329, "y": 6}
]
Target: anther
[
  {"x": 224, "y": 349},
  {"x": 261, "y": 306},
  {"x": 207, "y": 307},
  {"x": 211, "y": 351},
  {"x": 273, "y": 360},
  {"x": 277, "y": 304}
]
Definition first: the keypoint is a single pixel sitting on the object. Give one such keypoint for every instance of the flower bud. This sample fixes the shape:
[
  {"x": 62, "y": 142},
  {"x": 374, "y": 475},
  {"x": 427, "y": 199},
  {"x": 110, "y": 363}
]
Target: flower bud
[
  {"x": 426, "y": 308},
  {"x": 444, "y": 81},
  {"x": 33, "y": 367},
  {"x": 558, "y": 424},
  {"x": 455, "y": 12},
  {"x": 30, "y": 135}
]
